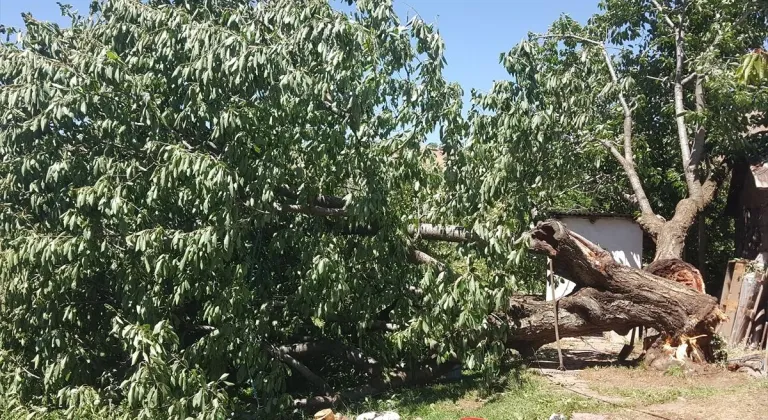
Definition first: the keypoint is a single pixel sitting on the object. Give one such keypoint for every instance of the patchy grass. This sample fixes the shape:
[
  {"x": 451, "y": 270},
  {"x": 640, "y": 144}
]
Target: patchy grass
[
  {"x": 641, "y": 387},
  {"x": 626, "y": 393},
  {"x": 642, "y": 396},
  {"x": 525, "y": 396}
]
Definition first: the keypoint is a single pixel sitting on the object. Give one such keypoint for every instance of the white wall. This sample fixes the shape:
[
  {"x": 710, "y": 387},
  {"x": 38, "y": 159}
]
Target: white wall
[{"x": 621, "y": 236}]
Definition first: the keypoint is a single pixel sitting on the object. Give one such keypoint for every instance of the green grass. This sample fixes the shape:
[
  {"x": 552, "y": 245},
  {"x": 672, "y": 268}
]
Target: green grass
[
  {"x": 648, "y": 396},
  {"x": 523, "y": 397},
  {"x": 642, "y": 396}
]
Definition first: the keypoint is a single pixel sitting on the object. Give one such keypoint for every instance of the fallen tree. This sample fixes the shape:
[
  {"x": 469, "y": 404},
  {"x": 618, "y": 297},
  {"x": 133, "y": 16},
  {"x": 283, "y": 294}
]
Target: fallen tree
[{"x": 608, "y": 297}]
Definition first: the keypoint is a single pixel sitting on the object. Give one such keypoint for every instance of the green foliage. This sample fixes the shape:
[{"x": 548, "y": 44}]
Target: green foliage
[
  {"x": 147, "y": 262},
  {"x": 753, "y": 67},
  {"x": 540, "y": 137},
  {"x": 161, "y": 162}
]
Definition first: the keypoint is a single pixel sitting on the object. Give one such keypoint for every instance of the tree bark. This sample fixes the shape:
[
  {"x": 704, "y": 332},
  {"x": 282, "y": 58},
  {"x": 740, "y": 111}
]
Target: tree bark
[{"x": 609, "y": 297}]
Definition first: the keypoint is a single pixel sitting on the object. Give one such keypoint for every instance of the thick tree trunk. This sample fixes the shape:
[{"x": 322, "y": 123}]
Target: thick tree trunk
[
  {"x": 609, "y": 297},
  {"x": 670, "y": 237}
]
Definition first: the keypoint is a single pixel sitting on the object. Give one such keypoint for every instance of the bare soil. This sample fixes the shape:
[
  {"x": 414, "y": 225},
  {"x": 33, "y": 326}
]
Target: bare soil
[{"x": 633, "y": 392}]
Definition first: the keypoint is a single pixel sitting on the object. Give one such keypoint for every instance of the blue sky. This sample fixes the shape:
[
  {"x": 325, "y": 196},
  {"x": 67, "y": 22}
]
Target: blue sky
[{"x": 475, "y": 31}]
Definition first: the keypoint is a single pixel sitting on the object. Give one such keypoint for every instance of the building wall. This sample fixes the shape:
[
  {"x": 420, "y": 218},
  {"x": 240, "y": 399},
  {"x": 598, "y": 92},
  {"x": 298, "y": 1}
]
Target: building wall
[
  {"x": 752, "y": 218},
  {"x": 621, "y": 236}
]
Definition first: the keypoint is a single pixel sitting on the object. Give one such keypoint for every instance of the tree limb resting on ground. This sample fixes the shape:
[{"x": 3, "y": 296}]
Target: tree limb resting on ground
[{"x": 609, "y": 296}]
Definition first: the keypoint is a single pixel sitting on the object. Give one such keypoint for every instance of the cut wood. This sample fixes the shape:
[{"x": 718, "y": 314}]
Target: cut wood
[{"x": 730, "y": 302}]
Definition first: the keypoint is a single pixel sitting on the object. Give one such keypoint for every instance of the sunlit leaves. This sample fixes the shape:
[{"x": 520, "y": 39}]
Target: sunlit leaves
[
  {"x": 142, "y": 255},
  {"x": 753, "y": 67}
]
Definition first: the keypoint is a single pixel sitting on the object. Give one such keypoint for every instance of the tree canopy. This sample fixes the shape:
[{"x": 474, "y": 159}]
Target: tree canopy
[{"x": 215, "y": 208}]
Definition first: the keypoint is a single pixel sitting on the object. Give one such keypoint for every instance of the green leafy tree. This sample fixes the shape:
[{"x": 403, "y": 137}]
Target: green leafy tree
[
  {"x": 218, "y": 208},
  {"x": 166, "y": 247},
  {"x": 639, "y": 105}
]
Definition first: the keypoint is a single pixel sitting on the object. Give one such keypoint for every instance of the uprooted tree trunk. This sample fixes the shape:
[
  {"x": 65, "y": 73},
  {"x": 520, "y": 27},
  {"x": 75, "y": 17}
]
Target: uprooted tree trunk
[{"x": 609, "y": 297}]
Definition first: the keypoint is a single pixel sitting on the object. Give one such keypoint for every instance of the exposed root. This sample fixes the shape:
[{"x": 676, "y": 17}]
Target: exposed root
[{"x": 678, "y": 271}]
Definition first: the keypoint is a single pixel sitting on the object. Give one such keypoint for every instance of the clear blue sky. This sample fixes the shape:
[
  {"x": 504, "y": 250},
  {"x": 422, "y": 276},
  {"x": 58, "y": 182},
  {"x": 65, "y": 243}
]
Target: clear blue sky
[{"x": 475, "y": 31}]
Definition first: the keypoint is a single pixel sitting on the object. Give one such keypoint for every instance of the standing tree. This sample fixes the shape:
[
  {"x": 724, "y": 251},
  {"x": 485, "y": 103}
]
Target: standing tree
[
  {"x": 202, "y": 198},
  {"x": 646, "y": 82},
  {"x": 164, "y": 244}
]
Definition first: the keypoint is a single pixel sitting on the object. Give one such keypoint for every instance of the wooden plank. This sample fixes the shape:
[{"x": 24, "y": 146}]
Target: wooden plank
[
  {"x": 755, "y": 315},
  {"x": 727, "y": 282},
  {"x": 755, "y": 328},
  {"x": 731, "y": 303},
  {"x": 750, "y": 287}
]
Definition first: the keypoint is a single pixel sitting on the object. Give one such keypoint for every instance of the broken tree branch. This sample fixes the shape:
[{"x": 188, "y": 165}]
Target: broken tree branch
[
  {"x": 321, "y": 200},
  {"x": 340, "y": 350},
  {"x": 663, "y": 13},
  {"x": 428, "y": 372},
  {"x": 299, "y": 367},
  {"x": 310, "y": 210},
  {"x": 609, "y": 296}
]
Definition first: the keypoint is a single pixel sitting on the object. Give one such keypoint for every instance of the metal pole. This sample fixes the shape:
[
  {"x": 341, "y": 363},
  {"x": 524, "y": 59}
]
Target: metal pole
[{"x": 557, "y": 317}]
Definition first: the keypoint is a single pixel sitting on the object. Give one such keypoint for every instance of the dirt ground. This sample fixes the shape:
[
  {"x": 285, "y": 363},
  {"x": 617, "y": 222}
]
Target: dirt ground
[{"x": 633, "y": 392}]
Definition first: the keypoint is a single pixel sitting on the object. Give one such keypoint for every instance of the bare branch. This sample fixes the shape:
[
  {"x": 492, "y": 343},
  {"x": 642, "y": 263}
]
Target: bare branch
[
  {"x": 634, "y": 181},
  {"x": 627, "y": 161},
  {"x": 384, "y": 326},
  {"x": 420, "y": 257},
  {"x": 329, "y": 201},
  {"x": 341, "y": 350},
  {"x": 310, "y": 210},
  {"x": 445, "y": 233},
  {"x": 701, "y": 133},
  {"x": 663, "y": 14},
  {"x": 315, "y": 380},
  {"x": 682, "y": 129},
  {"x": 398, "y": 379},
  {"x": 688, "y": 78},
  {"x": 572, "y": 36},
  {"x": 614, "y": 151}
]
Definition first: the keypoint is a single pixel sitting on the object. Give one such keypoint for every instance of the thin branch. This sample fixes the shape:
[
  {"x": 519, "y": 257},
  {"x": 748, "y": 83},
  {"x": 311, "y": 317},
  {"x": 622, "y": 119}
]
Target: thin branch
[
  {"x": 420, "y": 257},
  {"x": 697, "y": 152},
  {"x": 614, "y": 151},
  {"x": 627, "y": 161},
  {"x": 321, "y": 200},
  {"x": 688, "y": 78},
  {"x": 445, "y": 233},
  {"x": 663, "y": 13},
  {"x": 397, "y": 379},
  {"x": 682, "y": 129},
  {"x": 341, "y": 350},
  {"x": 384, "y": 326},
  {"x": 315, "y": 380},
  {"x": 310, "y": 210},
  {"x": 572, "y": 36},
  {"x": 634, "y": 181}
]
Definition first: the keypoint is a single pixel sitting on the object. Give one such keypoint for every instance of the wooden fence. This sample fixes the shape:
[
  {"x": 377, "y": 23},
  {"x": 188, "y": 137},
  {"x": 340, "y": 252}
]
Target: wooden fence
[{"x": 745, "y": 302}]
